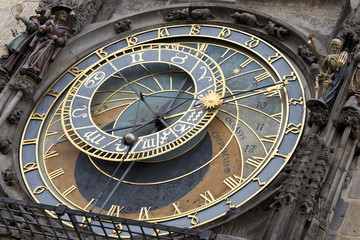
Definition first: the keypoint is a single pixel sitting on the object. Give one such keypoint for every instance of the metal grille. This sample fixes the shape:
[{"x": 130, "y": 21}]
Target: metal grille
[{"x": 42, "y": 221}]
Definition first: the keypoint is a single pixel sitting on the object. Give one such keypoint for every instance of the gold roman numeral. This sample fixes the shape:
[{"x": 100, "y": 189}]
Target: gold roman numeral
[
  {"x": 270, "y": 138},
  {"x": 262, "y": 76},
  {"x": 144, "y": 213},
  {"x": 177, "y": 210},
  {"x": 70, "y": 190},
  {"x": 115, "y": 210},
  {"x": 255, "y": 161},
  {"x": 89, "y": 204},
  {"x": 56, "y": 173},
  {"x": 50, "y": 154},
  {"x": 202, "y": 46},
  {"x": 247, "y": 62},
  {"x": 208, "y": 197},
  {"x": 233, "y": 181},
  {"x": 29, "y": 141}
]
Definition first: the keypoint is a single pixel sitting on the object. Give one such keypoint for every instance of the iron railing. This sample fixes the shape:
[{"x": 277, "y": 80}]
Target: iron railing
[{"x": 39, "y": 221}]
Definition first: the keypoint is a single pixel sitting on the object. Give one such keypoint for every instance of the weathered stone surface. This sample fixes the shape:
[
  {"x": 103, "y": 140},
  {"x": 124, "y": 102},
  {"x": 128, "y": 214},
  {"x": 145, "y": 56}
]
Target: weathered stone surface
[
  {"x": 339, "y": 214},
  {"x": 351, "y": 225},
  {"x": 355, "y": 187}
]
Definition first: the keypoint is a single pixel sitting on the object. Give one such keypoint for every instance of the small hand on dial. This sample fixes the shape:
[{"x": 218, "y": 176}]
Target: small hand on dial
[{"x": 141, "y": 98}]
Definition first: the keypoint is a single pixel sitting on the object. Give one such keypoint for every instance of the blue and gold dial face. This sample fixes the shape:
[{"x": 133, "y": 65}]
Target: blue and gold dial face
[{"x": 213, "y": 116}]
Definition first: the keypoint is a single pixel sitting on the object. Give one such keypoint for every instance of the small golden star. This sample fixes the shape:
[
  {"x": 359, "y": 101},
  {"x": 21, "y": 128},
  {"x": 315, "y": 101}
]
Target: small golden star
[{"x": 236, "y": 71}]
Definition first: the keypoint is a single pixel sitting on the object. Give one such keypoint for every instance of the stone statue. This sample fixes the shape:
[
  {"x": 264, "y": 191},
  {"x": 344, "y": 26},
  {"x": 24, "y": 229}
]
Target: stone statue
[
  {"x": 329, "y": 65},
  {"x": 354, "y": 87},
  {"x": 46, "y": 45},
  {"x": 17, "y": 46},
  {"x": 246, "y": 19}
]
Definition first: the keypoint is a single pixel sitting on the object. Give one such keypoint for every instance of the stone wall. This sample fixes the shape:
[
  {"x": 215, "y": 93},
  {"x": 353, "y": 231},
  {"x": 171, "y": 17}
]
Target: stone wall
[{"x": 7, "y": 20}]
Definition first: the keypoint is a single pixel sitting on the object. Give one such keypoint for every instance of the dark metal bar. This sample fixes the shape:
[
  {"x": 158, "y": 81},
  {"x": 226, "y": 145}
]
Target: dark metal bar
[{"x": 65, "y": 220}]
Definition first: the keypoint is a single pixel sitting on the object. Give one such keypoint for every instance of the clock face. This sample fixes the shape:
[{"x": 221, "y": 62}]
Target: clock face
[{"x": 213, "y": 115}]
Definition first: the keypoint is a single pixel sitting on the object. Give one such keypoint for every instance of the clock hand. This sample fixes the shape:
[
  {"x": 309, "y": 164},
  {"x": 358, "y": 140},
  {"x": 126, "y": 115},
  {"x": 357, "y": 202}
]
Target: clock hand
[
  {"x": 177, "y": 93},
  {"x": 269, "y": 88},
  {"x": 111, "y": 178},
  {"x": 140, "y": 95},
  {"x": 176, "y": 106}
]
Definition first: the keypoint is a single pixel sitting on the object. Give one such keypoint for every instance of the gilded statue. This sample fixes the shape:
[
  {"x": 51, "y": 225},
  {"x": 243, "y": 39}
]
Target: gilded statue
[{"x": 329, "y": 65}]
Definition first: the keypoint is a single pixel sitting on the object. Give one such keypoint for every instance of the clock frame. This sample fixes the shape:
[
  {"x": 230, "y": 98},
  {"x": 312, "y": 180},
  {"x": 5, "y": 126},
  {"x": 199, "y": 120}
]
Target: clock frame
[{"x": 276, "y": 68}]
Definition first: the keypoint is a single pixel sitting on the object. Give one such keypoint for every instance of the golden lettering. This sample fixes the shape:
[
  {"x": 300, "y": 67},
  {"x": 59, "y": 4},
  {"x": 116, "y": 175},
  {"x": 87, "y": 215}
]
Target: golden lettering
[
  {"x": 177, "y": 210},
  {"x": 115, "y": 210},
  {"x": 30, "y": 167},
  {"x": 207, "y": 196},
  {"x": 195, "y": 30},
  {"x": 39, "y": 190},
  {"x": 291, "y": 127},
  {"x": 252, "y": 43},
  {"x": 137, "y": 57},
  {"x": 56, "y": 173},
  {"x": 233, "y": 181},
  {"x": 83, "y": 115},
  {"x": 255, "y": 161},
  {"x": 225, "y": 33},
  {"x": 178, "y": 59},
  {"x": 194, "y": 219},
  {"x": 94, "y": 137},
  {"x": 262, "y": 76},
  {"x": 163, "y": 32},
  {"x": 273, "y": 59},
  {"x": 69, "y": 190}
]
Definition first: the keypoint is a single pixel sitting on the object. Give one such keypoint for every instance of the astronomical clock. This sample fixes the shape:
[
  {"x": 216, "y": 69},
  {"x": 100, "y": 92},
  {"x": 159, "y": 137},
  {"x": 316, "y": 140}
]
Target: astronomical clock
[{"x": 175, "y": 124}]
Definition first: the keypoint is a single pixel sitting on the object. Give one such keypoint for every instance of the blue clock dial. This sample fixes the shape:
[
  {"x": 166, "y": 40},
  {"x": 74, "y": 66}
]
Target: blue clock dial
[{"x": 216, "y": 113}]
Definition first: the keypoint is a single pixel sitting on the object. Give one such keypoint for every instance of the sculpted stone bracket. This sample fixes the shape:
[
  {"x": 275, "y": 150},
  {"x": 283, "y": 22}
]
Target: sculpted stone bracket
[{"x": 308, "y": 170}]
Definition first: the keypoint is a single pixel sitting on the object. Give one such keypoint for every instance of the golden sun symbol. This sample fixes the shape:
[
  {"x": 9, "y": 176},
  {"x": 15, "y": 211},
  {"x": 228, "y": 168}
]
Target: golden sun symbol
[{"x": 211, "y": 100}]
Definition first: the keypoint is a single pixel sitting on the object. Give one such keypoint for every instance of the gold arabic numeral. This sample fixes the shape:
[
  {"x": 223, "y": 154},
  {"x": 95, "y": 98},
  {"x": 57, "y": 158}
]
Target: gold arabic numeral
[
  {"x": 29, "y": 141},
  {"x": 132, "y": 40},
  {"x": 50, "y": 154},
  {"x": 295, "y": 101},
  {"x": 69, "y": 190},
  {"x": 30, "y": 167},
  {"x": 208, "y": 197},
  {"x": 89, "y": 203},
  {"x": 253, "y": 42},
  {"x": 94, "y": 137},
  {"x": 203, "y": 76},
  {"x": 115, "y": 210},
  {"x": 273, "y": 59},
  {"x": 195, "y": 30},
  {"x": 176, "y": 208},
  {"x": 101, "y": 53},
  {"x": 144, "y": 213},
  {"x": 269, "y": 138},
  {"x": 225, "y": 33},
  {"x": 259, "y": 181},
  {"x": 291, "y": 77},
  {"x": 137, "y": 57},
  {"x": 255, "y": 161},
  {"x": 39, "y": 190},
  {"x": 56, "y": 173},
  {"x": 37, "y": 116},
  {"x": 194, "y": 219},
  {"x": 233, "y": 181},
  {"x": 179, "y": 59},
  {"x": 163, "y": 32},
  {"x": 262, "y": 76},
  {"x": 228, "y": 201},
  {"x": 149, "y": 143},
  {"x": 293, "y": 128}
]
